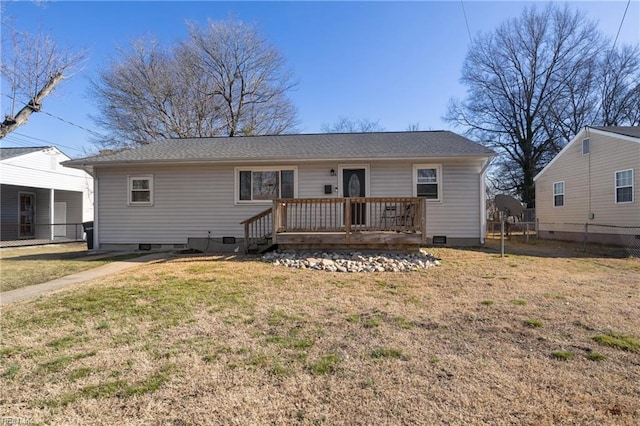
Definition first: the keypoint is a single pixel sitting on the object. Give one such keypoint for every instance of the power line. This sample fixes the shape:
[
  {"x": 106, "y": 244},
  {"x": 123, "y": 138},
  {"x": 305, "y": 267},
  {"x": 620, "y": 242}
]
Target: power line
[
  {"x": 73, "y": 124},
  {"x": 46, "y": 141},
  {"x": 17, "y": 142},
  {"x": 21, "y": 141},
  {"x": 63, "y": 120},
  {"x": 466, "y": 21},
  {"x": 38, "y": 170},
  {"x": 621, "y": 22}
]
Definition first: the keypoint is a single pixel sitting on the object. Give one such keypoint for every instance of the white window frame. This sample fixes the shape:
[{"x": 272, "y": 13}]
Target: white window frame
[
  {"x": 616, "y": 187},
  {"x": 563, "y": 193},
  {"x": 236, "y": 186},
  {"x": 586, "y": 143},
  {"x": 130, "y": 190},
  {"x": 439, "y": 180}
]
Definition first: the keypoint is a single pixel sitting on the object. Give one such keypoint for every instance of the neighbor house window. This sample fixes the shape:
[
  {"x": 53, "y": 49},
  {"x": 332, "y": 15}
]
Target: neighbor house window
[
  {"x": 624, "y": 186},
  {"x": 585, "y": 146},
  {"x": 427, "y": 181},
  {"x": 266, "y": 184},
  {"x": 141, "y": 190},
  {"x": 558, "y": 194}
]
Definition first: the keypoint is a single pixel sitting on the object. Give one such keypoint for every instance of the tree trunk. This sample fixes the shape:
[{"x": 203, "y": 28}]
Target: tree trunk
[{"x": 35, "y": 104}]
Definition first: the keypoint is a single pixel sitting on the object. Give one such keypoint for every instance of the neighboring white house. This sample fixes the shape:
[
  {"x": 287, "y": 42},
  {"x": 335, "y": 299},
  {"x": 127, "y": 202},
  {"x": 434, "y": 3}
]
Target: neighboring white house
[
  {"x": 163, "y": 194},
  {"x": 40, "y": 198},
  {"x": 592, "y": 188}
]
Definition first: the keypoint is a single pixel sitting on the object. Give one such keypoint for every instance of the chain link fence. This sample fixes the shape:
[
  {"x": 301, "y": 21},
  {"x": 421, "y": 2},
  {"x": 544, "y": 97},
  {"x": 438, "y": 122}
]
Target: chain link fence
[
  {"x": 592, "y": 235},
  {"x": 29, "y": 234},
  {"x": 610, "y": 238},
  {"x": 522, "y": 225}
]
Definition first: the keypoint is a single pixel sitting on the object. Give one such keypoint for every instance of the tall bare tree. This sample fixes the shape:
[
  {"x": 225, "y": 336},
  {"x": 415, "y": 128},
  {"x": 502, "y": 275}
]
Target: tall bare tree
[
  {"x": 532, "y": 84},
  {"x": 348, "y": 125},
  {"x": 33, "y": 65},
  {"x": 223, "y": 80},
  {"x": 620, "y": 87}
]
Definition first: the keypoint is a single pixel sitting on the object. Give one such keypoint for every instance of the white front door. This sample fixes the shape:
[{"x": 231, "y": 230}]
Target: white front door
[{"x": 60, "y": 219}]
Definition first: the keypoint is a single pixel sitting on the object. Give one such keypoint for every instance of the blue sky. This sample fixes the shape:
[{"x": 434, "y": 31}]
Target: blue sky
[{"x": 396, "y": 62}]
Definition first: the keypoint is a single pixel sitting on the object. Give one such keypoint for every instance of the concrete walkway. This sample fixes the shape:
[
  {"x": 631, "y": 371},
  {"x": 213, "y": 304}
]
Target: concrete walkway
[{"x": 77, "y": 278}]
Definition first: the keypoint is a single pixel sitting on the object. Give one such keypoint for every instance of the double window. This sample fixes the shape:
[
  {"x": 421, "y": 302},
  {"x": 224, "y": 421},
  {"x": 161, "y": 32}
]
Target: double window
[
  {"x": 624, "y": 186},
  {"x": 140, "y": 190},
  {"x": 265, "y": 184},
  {"x": 558, "y": 194},
  {"x": 427, "y": 181}
]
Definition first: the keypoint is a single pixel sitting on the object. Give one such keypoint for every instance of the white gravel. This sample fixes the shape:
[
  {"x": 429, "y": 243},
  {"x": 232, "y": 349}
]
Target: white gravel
[{"x": 352, "y": 261}]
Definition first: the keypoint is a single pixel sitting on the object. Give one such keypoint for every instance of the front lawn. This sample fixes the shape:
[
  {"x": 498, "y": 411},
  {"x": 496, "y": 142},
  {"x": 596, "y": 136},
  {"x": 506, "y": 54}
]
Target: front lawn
[
  {"x": 525, "y": 339},
  {"x": 25, "y": 266}
]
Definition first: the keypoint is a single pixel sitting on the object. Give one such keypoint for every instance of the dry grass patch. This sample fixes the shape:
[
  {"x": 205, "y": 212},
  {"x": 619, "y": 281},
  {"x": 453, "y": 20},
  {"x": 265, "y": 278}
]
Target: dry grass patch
[
  {"x": 25, "y": 266},
  {"x": 199, "y": 340}
]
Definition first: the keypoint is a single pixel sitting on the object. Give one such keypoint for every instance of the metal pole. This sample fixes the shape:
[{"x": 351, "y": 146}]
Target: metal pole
[{"x": 501, "y": 233}]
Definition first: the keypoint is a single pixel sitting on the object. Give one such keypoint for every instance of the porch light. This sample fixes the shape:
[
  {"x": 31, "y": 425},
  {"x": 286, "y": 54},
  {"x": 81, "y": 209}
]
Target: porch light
[{"x": 332, "y": 172}]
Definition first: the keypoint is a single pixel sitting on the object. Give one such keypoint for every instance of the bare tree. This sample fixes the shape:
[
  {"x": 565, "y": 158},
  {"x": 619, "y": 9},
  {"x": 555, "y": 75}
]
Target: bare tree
[
  {"x": 532, "y": 84},
  {"x": 224, "y": 80},
  {"x": 348, "y": 125},
  {"x": 620, "y": 87},
  {"x": 33, "y": 65}
]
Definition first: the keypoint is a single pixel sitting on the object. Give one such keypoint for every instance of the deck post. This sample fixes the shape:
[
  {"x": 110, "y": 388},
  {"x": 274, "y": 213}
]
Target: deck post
[
  {"x": 423, "y": 219},
  {"x": 347, "y": 220},
  {"x": 246, "y": 237},
  {"x": 275, "y": 220}
]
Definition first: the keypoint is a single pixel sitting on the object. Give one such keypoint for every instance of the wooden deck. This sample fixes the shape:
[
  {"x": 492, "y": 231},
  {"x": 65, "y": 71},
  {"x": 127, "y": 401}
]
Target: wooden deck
[{"x": 339, "y": 223}]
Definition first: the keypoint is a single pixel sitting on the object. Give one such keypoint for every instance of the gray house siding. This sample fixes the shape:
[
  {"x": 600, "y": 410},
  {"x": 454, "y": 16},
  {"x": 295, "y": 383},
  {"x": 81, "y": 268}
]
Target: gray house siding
[
  {"x": 191, "y": 200},
  {"x": 10, "y": 196}
]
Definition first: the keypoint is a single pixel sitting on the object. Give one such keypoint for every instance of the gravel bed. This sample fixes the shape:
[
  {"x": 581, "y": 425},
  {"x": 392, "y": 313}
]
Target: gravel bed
[{"x": 352, "y": 261}]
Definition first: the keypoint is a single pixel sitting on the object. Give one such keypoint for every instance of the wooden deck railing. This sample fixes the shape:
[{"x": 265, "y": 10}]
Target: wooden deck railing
[
  {"x": 357, "y": 221},
  {"x": 257, "y": 229},
  {"x": 364, "y": 214}
]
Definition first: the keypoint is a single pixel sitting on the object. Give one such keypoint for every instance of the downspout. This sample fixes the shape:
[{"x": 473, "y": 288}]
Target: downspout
[
  {"x": 96, "y": 240},
  {"x": 92, "y": 172},
  {"x": 483, "y": 203}
]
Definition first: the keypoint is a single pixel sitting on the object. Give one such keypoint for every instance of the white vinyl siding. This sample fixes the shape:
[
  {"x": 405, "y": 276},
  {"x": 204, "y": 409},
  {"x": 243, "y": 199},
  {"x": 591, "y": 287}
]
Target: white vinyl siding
[
  {"x": 590, "y": 187},
  {"x": 624, "y": 186},
  {"x": 41, "y": 169},
  {"x": 189, "y": 201}
]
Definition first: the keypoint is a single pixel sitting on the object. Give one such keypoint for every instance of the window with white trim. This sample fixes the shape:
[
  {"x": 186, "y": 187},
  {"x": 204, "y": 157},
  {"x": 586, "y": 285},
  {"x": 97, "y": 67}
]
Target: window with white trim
[
  {"x": 140, "y": 190},
  {"x": 265, "y": 184},
  {"x": 558, "y": 194},
  {"x": 427, "y": 181},
  {"x": 586, "y": 146},
  {"x": 624, "y": 186}
]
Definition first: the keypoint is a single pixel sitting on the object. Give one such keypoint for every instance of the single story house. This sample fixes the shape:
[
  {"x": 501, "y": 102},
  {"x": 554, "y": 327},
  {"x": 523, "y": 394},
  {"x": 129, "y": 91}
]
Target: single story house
[
  {"x": 297, "y": 190},
  {"x": 591, "y": 189},
  {"x": 42, "y": 200}
]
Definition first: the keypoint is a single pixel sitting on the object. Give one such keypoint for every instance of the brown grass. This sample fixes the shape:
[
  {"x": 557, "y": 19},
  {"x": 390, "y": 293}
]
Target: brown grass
[
  {"x": 24, "y": 266},
  {"x": 210, "y": 340}
]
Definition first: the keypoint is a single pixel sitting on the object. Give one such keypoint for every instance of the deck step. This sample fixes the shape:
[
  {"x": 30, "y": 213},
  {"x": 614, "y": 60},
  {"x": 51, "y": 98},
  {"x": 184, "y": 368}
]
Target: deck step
[{"x": 262, "y": 247}]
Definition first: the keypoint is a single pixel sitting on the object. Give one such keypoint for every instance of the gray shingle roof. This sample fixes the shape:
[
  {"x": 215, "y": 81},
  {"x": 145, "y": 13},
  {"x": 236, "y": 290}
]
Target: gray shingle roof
[
  {"x": 633, "y": 131},
  {"x": 299, "y": 147},
  {"x": 6, "y": 153}
]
